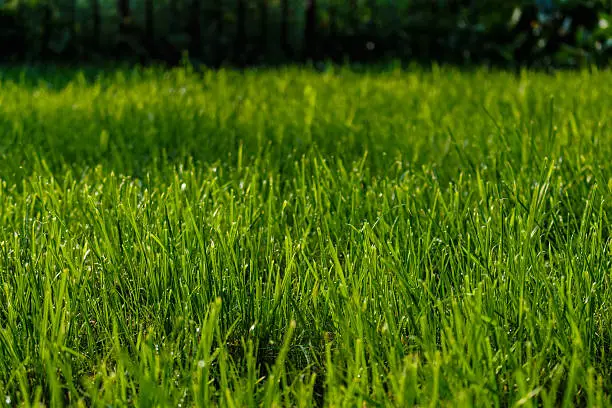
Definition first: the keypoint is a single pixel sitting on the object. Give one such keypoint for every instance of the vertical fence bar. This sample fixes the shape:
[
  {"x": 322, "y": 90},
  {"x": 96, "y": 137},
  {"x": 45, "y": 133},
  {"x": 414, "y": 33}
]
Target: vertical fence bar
[
  {"x": 173, "y": 15},
  {"x": 97, "y": 22},
  {"x": 195, "y": 28},
  {"x": 47, "y": 24},
  {"x": 123, "y": 12},
  {"x": 218, "y": 31},
  {"x": 149, "y": 23},
  {"x": 263, "y": 15},
  {"x": 310, "y": 30},
  {"x": 73, "y": 22},
  {"x": 240, "y": 44},
  {"x": 284, "y": 29}
]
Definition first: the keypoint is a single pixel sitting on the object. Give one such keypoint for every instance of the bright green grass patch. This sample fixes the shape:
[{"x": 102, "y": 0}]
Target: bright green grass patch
[{"x": 298, "y": 238}]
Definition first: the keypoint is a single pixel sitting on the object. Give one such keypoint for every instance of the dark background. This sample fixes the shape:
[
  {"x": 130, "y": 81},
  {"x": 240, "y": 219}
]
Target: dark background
[{"x": 514, "y": 33}]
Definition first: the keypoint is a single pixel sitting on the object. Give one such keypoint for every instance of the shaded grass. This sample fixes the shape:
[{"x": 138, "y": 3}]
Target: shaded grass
[{"x": 287, "y": 237}]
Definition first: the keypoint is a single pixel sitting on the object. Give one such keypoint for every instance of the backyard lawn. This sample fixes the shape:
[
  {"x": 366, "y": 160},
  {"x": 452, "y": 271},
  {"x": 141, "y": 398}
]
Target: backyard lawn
[{"x": 290, "y": 237}]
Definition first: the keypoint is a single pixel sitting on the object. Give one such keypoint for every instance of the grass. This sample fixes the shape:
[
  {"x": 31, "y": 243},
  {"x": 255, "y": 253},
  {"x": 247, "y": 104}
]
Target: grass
[{"x": 293, "y": 238}]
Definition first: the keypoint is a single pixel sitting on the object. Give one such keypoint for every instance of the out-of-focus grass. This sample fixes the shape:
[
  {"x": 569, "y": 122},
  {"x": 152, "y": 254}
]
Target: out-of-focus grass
[{"x": 287, "y": 237}]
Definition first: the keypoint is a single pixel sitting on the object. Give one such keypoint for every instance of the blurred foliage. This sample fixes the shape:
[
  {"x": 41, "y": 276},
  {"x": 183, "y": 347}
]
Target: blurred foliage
[{"x": 537, "y": 33}]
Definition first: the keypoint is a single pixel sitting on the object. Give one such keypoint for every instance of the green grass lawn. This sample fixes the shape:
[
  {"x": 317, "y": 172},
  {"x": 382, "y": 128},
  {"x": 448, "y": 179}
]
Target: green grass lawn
[{"x": 294, "y": 238}]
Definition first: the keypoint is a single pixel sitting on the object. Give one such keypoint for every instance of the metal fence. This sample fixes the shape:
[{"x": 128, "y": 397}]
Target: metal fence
[{"x": 256, "y": 31}]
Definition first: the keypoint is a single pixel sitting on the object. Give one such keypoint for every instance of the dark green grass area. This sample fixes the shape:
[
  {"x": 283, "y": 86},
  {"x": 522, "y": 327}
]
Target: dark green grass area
[{"x": 293, "y": 238}]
